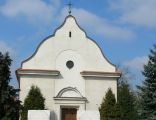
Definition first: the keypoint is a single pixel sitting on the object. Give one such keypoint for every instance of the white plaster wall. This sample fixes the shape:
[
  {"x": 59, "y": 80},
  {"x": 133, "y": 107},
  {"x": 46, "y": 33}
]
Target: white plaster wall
[
  {"x": 46, "y": 85},
  {"x": 70, "y": 77},
  {"x": 96, "y": 89},
  {"x": 95, "y": 59},
  {"x": 70, "y": 94},
  {"x": 47, "y": 52}
]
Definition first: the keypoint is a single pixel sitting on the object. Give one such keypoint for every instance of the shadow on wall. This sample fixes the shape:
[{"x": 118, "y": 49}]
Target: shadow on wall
[{"x": 53, "y": 116}]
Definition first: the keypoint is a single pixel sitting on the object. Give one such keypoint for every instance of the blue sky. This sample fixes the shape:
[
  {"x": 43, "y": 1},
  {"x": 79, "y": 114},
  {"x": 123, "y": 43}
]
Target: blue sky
[{"x": 124, "y": 29}]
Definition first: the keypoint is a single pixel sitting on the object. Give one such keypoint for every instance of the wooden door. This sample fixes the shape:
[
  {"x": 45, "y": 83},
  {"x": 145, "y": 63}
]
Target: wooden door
[{"x": 69, "y": 113}]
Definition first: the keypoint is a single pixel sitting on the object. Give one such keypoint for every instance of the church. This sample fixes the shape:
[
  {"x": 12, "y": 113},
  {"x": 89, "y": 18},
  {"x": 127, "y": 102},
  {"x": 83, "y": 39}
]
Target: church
[{"x": 71, "y": 71}]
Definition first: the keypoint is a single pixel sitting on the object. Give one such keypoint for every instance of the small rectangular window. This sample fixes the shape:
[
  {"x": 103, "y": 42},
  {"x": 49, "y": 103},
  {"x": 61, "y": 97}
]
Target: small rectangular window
[{"x": 70, "y": 34}]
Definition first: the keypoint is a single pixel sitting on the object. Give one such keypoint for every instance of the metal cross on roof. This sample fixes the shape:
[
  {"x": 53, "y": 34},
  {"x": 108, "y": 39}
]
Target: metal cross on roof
[{"x": 69, "y": 7}]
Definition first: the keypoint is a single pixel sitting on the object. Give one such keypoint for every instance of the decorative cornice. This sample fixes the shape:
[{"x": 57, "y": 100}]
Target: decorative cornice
[
  {"x": 40, "y": 72},
  {"x": 100, "y": 74},
  {"x": 37, "y": 72},
  {"x": 70, "y": 98},
  {"x": 59, "y": 95}
]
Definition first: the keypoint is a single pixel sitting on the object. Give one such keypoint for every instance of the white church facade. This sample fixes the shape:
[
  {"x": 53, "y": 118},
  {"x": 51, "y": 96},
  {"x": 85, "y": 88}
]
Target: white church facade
[{"x": 70, "y": 70}]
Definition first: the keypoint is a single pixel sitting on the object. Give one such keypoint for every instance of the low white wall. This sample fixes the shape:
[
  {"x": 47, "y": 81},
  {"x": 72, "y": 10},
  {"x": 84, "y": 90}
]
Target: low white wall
[
  {"x": 38, "y": 114},
  {"x": 88, "y": 115}
]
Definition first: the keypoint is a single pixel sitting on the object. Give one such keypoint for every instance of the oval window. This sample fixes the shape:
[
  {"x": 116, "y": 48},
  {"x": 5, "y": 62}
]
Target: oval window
[{"x": 70, "y": 64}]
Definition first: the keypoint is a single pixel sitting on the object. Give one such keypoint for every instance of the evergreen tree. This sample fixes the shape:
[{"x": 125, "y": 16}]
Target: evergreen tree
[
  {"x": 9, "y": 103},
  {"x": 117, "y": 112},
  {"x": 126, "y": 101},
  {"x": 148, "y": 89},
  {"x": 108, "y": 107},
  {"x": 126, "y": 98},
  {"x": 33, "y": 101}
]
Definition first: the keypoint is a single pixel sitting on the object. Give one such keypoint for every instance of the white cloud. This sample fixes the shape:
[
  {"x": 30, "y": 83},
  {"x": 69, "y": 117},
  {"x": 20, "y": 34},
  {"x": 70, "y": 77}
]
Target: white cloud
[
  {"x": 137, "y": 63},
  {"x": 98, "y": 25},
  {"x": 34, "y": 10},
  {"x": 137, "y": 12},
  {"x": 4, "y": 47}
]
